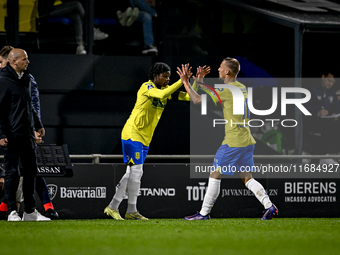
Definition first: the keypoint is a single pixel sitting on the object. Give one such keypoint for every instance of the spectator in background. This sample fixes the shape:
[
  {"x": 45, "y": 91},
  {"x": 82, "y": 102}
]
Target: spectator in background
[
  {"x": 145, "y": 15},
  {"x": 323, "y": 101},
  {"x": 127, "y": 17},
  {"x": 72, "y": 9},
  {"x": 337, "y": 142},
  {"x": 323, "y": 125},
  {"x": 338, "y": 95}
]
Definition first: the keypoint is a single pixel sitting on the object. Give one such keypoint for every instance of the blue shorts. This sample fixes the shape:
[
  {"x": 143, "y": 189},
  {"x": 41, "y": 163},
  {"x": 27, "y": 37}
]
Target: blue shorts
[
  {"x": 134, "y": 152},
  {"x": 229, "y": 160}
]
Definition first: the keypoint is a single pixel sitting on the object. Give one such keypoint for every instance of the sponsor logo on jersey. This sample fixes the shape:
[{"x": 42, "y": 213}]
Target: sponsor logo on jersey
[{"x": 158, "y": 103}]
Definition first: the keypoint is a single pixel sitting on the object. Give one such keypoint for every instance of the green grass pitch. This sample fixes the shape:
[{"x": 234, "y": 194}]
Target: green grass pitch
[{"x": 172, "y": 236}]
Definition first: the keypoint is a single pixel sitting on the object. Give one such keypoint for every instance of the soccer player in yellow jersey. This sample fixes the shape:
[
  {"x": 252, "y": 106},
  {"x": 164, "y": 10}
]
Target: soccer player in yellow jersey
[
  {"x": 236, "y": 151},
  {"x": 137, "y": 133}
]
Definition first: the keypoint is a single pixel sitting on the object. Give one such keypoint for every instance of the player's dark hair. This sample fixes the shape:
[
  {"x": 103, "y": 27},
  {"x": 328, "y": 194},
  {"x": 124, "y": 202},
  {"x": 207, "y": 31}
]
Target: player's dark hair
[
  {"x": 233, "y": 65},
  {"x": 158, "y": 68},
  {"x": 5, "y": 51}
]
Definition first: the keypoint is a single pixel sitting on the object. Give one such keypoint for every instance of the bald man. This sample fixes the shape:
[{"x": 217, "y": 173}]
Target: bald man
[{"x": 18, "y": 121}]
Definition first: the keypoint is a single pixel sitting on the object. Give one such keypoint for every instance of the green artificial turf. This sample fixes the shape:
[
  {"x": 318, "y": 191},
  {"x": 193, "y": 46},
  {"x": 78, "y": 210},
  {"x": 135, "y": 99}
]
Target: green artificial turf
[{"x": 173, "y": 236}]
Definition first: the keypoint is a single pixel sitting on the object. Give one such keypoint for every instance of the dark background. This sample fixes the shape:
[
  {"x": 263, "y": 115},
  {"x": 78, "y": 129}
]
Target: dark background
[{"x": 86, "y": 99}]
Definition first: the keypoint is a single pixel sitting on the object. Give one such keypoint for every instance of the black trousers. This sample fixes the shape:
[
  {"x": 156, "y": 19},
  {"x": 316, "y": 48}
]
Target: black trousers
[
  {"x": 27, "y": 157},
  {"x": 76, "y": 12}
]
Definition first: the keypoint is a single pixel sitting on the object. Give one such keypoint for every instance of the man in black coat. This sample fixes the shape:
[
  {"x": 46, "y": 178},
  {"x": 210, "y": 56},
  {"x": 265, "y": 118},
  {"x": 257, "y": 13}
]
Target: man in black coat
[
  {"x": 2, "y": 182},
  {"x": 18, "y": 120},
  {"x": 2, "y": 192}
]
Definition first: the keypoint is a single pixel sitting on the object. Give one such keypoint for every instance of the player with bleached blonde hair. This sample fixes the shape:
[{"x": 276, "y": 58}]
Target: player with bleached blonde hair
[{"x": 236, "y": 151}]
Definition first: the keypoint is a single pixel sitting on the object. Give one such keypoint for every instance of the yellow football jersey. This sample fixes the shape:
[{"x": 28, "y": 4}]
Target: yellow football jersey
[
  {"x": 236, "y": 135},
  {"x": 147, "y": 111}
]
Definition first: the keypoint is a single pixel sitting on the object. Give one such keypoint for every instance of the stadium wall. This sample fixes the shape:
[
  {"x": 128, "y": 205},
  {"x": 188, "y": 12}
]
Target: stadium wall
[
  {"x": 167, "y": 191},
  {"x": 86, "y": 100}
]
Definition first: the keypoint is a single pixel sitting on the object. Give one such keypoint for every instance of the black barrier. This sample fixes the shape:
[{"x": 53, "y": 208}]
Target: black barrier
[
  {"x": 84, "y": 195},
  {"x": 54, "y": 161},
  {"x": 168, "y": 192}
]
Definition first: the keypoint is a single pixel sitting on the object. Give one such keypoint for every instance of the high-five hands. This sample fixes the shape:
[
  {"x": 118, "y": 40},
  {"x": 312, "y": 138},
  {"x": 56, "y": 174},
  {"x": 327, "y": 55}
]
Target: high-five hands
[
  {"x": 184, "y": 73},
  {"x": 202, "y": 71}
]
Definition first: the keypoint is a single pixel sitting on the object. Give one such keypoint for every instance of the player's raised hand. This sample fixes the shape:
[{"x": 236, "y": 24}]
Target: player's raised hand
[
  {"x": 184, "y": 73},
  {"x": 187, "y": 69},
  {"x": 202, "y": 71}
]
